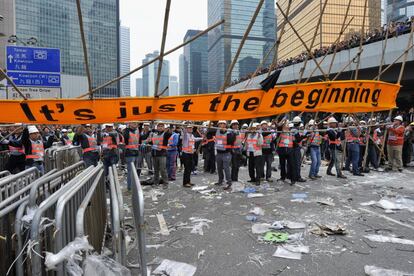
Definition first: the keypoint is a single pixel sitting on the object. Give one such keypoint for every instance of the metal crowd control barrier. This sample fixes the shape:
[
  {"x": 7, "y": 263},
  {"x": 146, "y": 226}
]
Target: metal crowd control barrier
[
  {"x": 13, "y": 183},
  {"x": 138, "y": 210},
  {"x": 56, "y": 207},
  {"x": 4, "y": 158},
  {"x": 62, "y": 156},
  {"x": 4, "y": 173},
  {"x": 117, "y": 217}
]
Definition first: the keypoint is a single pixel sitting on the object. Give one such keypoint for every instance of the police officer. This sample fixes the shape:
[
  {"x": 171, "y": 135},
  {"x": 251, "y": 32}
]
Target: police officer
[
  {"x": 35, "y": 147},
  {"x": 395, "y": 144},
  {"x": 253, "y": 145},
  {"x": 334, "y": 135},
  {"x": 297, "y": 153},
  {"x": 109, "y": 140},
  {"x": 172, "y": 153},
  {"x": 188, "y": 148},
  {"x": 208, "y": 149},
  {"x": 65, "y": 138},
  {"x": 145, "y": 149},
  {"x": 315, "y": 140},
  {"x": 352, "y": 135},
  {"x": 224, "y": 141},
  {"x": 159, "y": 140},
  {"x": 236, "y": 154},
  {"x": 285, "y": 152},
  {"x": 16, "y": 162},
  {"x": 131, "y": 140},
  {"x": 267, "y": 150},
  {"x": 86, "y": 139}
]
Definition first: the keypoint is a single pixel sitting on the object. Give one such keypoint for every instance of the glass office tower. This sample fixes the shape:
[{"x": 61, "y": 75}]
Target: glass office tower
[{"x": 399, "y": 10}]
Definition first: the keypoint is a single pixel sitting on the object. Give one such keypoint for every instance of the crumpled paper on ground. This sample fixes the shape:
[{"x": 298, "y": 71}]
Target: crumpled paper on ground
[
  {"x": 372, "y": 270},
  {"x": 173, "y": 268}
]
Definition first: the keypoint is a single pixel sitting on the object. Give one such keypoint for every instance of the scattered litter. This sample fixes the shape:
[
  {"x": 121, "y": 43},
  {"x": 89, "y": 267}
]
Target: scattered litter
[
  {"x": 155, "y": 194},
  {"x": 173, "y": 268},
  {"x": 156, "y": 246},
  {"x": 105, "y": 266},
  {"x": 326, "y": 201},
  {"x": 381, "y": 238},
  {"x": 200, "y": 254},
  {"x": 398, "y": 203},
  {"x": 210, "y": 191},
  {"x": 257, "y": 259},
  {"x": 373, "y": 270},
  {"x": 325, "y": 230},
  {"x": 282, "y": 252},
  {"x": 237, "y": 187},
  {"x": 260, "y": 228},
  {"x": 198, "y": 225},
  {"x": 295, "y": 237},
  {"x": 276, "y": 237},
  {"x": 257, "y": 211},
  {"x": 255, "y": 195},
  {"x": 227, "y": 203},
  {"x": 163, "y": 225},
  {"x": 296, "y": 248},
  {"x": 199, "y": 188},
  {"x": 294, "y": 225},
  {"x": 299, "y": 195},
  {"x": 277, "y": 225},
  {"x": 369, "y": 203},
  {"x": 249, "y": 190},
  {"x": 251, "y": 218}
]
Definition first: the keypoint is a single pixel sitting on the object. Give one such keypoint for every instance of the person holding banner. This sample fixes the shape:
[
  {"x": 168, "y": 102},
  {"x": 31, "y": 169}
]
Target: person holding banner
[
  {"x": 335, "y": 148},
  {"x": 253, "y": 145},
  {"x": 352, "y": 138},
  {"x": 86, "y": 139},
  {"x": 395, "y": 144},
  {"x": 224, "y": 141},
  {"x": 131, "y": 139}
]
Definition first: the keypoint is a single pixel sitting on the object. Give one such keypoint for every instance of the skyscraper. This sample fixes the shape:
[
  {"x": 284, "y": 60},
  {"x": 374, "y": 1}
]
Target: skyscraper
[
  {"x": 182, "y": 74},
  {"x": 139, "y": 89},
  {"x": 224, "y": 41},
  {"x": 125, "y": 66},
  {"x": 195, "y": 67},
  {"x": 304, "y": 16},
  {"x": 149, "y": 75},
  {"x": 173, "y": 88},
  {"x": 55, "y": 24},
  {"x": 399, "y": 10}
]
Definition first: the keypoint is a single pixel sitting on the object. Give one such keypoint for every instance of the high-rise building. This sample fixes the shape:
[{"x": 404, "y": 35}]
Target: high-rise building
[
  {"x": 173, "y": 87},
  {"x": 304, "y": 16},
  {"x": 125, "y": 66},
  {"x": 182, "y": 74},
  {"x": 139, "y": 89},
  {"x": 195, "y": 67},
  {"x": 383, "y": 12},
  {"x": 399, "y": 10},
  {"x": 55, "y": 24},
  {"x": 149, "y": 75},
  {"x": 224, "y": 41}
]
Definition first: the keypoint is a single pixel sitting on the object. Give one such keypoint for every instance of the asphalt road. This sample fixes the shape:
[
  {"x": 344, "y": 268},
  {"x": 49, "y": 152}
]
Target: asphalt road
[{"x": 228, "y": 246}]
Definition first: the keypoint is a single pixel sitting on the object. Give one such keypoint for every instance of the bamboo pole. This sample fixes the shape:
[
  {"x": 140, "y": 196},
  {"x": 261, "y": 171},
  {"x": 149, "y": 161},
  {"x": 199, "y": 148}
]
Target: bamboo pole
[
  {"x": 12, "y": 83},
  {"x": 246, "y": 33},
  {"x": 395, "y": 61},
  {"x": 85, "y": 49},
  {"x": 279, "y": 39},
  {"x": 303, "y": 42},
  {"x": 313, "y": 41},
  {"x": 349, "y": 63},
  {"x": 341, "y": 32},
  {"x": 361, "y": 39},
  {"x": 384, "y": 48},
  {"x": 154, "y": 59},
  {"x": 327, "y": 53},
  {"x": 164, "y": 36}
]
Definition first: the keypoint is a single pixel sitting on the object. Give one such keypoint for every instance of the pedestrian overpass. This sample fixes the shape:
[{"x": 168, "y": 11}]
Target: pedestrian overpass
[{"x": 368, "y": 69}]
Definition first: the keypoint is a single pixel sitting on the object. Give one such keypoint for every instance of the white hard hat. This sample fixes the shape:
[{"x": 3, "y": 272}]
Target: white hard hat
[
  {"x": 245, "y": 126},
  {"x": 64, "y": 130},
  {"x": 222, "y": 122},
  {"x": 109, "y": 125},
  {"x": 160, "y": 124},
  {"x": 255, "y": 124},
  {"x": 297, "y": 119},
  {"x": 69, "y": 130},
  {"x": 122, "y": 127},
  {"x": 146, "y": 124},
  {"x": 18, "y": 124},
  {"x": 311, "y": 122},
  {"x": 362, "y": 122},
  {"x": 399, "y": 118},
  {"x": 290, "y": 125},
  {"x": 234, "y": 122},
  {"x": 264, "y": 122},
  {"x": 205, "y": 124},
  {"x": 32, "y": 129},
  {"x": 301, "y": 125},
  {"x": 332, "y": 120},
  {"x": 87, "y": 125}
]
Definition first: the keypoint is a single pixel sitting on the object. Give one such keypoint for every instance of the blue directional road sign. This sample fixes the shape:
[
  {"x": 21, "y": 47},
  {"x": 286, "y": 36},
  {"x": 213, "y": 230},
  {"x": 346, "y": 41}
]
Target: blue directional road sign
[
  {"x": 35, "y": 79},
  {"x": 33, "y": 59}
]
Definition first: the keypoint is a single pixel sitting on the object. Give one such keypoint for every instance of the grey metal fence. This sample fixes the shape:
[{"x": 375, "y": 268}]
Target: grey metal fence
[
  {"x": 4, "y": 158},
  {"x": 59, "y": 157},
  {"x": 4, "y": 173}
]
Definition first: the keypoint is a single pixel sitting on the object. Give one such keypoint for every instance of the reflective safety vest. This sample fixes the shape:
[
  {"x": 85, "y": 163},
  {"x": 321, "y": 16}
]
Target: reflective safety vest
[
  {"x": 315, "y": 139},
  {"x": 252, "y": 143},
  {"x": 376, "y": 138},
  {"x": 16, "y": 150},
  {"x": 205, "y": 142},
  {"x": 267, "y": 140},
  {"x": 221, "y": 141},
  {"x": 157, "y": 141},
  {"x": 188, "y": 147},
  {"x": 121, "y": 139},
  {"x": 170, "y": 145},
  {"x": 239, "y": 140},
  {"x": 67, "y": 141},
  {"x": 108, "y": 144},
  {"x": 394, "y": 138},
  {"x": 349, "y": 138},
  {"x": 337, "y": 141},
  {"x": 93, "y": 145},
  {"x": 38, "y": 151},
  {"x": 286, "y": 140},
  {"x": 133, "y": 141}
]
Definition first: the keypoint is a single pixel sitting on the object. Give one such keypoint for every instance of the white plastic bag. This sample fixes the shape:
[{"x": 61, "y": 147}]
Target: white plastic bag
[
  {"x": 173, "y": 268},
  {"x": 260, "y": 228},
  {"x": 372, "y": 270},
  {"x": 257, "y": 211},
  {"x": 380, "y": 238},
  {"x": 103, "y": 266}
]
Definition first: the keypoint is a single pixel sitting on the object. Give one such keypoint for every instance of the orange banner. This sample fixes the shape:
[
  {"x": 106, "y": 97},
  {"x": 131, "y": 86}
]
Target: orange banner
[{"x": 339, "y": 96}]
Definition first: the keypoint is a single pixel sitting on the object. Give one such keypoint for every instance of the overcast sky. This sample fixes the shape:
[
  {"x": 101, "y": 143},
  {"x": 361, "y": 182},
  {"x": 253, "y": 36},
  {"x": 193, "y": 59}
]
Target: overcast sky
[{"x": 145, "y": 20}]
